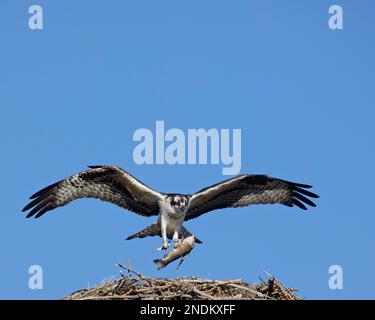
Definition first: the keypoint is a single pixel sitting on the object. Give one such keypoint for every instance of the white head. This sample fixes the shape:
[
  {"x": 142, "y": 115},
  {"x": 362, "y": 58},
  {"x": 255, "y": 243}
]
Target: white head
[{"x": 178, "y": 201}]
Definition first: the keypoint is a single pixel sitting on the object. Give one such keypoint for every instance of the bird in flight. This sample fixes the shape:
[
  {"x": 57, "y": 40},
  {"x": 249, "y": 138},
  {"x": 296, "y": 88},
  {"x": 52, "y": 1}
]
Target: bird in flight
[{"x": 115, "y": 185}]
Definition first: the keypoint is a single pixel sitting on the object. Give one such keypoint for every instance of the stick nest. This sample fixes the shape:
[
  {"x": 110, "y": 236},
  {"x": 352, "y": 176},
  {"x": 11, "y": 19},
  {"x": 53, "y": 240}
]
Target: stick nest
[{"x": 134, "y": 286}]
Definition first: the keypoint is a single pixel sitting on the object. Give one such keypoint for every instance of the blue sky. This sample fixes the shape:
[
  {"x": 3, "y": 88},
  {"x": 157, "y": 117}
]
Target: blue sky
[{"x": 73, "y": 94}]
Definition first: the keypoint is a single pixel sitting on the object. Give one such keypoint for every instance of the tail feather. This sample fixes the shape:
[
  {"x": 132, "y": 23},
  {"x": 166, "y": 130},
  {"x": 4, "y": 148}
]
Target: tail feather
[
  {"x": 151, "y": 231},
  {"x": 154, "y": 230},
  {"x": 184, "y": 233}
]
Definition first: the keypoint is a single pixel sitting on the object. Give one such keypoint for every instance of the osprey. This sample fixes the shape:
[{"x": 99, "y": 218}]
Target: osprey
[{"x": 115, "y": 185}]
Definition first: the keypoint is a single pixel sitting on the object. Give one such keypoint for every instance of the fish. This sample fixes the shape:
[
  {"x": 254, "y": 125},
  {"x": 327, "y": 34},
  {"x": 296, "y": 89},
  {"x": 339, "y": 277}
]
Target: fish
[{"x": 181, "y": 250}]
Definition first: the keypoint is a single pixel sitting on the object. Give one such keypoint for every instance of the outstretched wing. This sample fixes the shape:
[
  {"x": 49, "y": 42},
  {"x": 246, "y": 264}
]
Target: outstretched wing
[
  {"x": 107, "y": 183},
  {"x": 249, "y": 189}
]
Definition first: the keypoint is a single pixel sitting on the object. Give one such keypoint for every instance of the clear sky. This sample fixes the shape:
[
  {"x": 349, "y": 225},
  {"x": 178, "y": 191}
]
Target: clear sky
[{"x": 303, "y": 95}]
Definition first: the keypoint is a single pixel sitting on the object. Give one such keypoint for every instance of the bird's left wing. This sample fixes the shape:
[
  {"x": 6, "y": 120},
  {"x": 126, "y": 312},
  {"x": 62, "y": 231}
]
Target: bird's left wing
[
  {"x": 107, "y": 183},
  {"x": 249, "y": 189}
]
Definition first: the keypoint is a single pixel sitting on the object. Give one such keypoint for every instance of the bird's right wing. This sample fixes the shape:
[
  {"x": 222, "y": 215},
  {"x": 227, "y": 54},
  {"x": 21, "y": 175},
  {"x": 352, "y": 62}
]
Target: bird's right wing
[
  {"x": 248, "y": 189},
  {"x": 107, "y": 183}
]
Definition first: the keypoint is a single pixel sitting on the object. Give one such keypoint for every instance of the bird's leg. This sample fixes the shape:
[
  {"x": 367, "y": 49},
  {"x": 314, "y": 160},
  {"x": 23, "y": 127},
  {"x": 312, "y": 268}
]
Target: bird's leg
[
  {"x": 175, "y": 238},
  {"x": 163, "y": 227}
]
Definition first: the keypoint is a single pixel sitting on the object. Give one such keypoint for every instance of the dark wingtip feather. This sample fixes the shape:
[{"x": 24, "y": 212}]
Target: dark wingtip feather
[
  {"x": 46, "y": 189},
  {"x": 304, "y": 199},
  {"x": 300, "y": 194},
  {"x": 39, "y": 205},
  {"x": 296, "y": 184},
  {"x": 37, "y": 213},
  {"x": 30, "y": 214},
  {"x": 306, "y": 186},
  {"x": 28, "y": 206},
  {"x": 95, "y": 167},
  {"x": 36, "y": 201},
  {"x": 305, "y": 192},
  {"x": 288, "y": 204},
  {"x": 299, "y": 204},
  {"x": 197, "y": 240},
  {"x": 43, "y": 211}
]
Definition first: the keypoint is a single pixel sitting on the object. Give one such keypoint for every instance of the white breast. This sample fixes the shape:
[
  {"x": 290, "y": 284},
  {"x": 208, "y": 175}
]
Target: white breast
[
  {"x": 173, "y": 217},
  {"x": 172, "y": 212}
]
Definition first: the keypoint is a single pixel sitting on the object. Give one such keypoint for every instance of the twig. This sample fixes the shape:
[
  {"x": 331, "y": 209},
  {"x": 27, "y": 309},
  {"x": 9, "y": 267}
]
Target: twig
[
  {"x": 248, "y": 289},
  {"x": 129, "y": 269}
]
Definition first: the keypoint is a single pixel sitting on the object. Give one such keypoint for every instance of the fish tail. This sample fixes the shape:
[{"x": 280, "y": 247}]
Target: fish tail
[{"x": 160, "y": 263}]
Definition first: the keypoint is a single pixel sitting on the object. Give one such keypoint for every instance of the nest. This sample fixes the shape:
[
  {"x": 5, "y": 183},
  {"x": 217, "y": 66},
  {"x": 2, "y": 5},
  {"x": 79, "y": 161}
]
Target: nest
[{"x": 134, "y": 286}]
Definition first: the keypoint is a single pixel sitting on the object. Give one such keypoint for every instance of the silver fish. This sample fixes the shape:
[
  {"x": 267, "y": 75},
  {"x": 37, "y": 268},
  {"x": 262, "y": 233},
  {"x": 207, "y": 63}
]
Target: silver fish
[{"x": 181, "y": 250}]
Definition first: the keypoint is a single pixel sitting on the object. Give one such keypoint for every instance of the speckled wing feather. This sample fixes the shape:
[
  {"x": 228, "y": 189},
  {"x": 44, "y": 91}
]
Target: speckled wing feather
[
  {"x": 107, "y": 183},
  {"x": 249, "y": 189}
]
